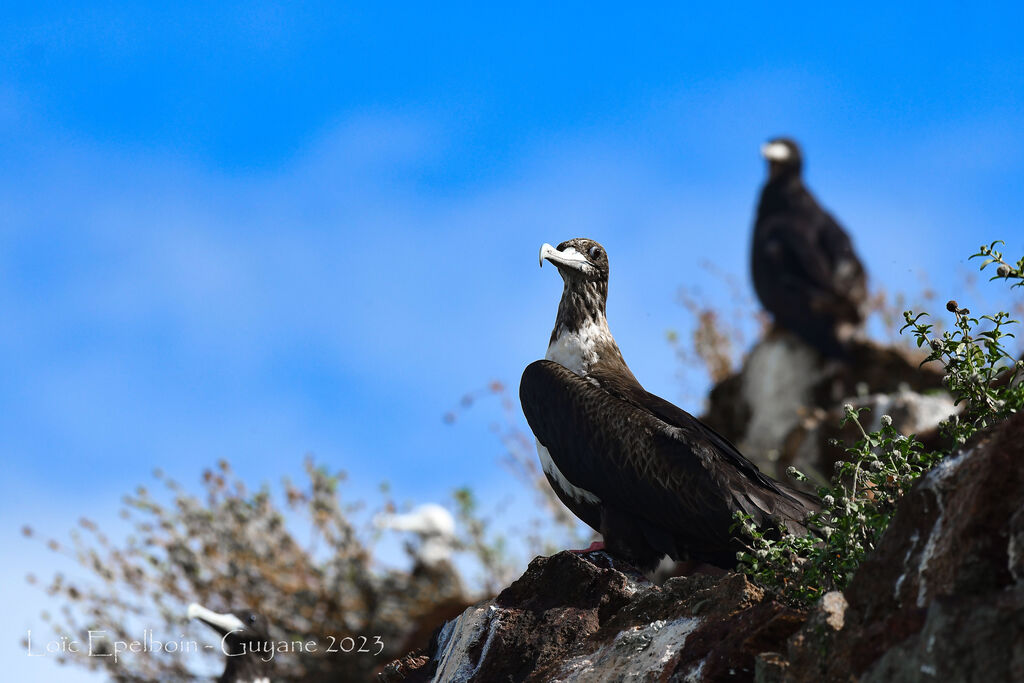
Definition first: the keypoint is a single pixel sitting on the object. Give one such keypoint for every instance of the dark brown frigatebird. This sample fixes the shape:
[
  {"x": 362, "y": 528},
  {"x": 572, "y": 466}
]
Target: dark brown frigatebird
[
  {"x": 805, "y": 270},
  {"x": 650, "y": 477}
]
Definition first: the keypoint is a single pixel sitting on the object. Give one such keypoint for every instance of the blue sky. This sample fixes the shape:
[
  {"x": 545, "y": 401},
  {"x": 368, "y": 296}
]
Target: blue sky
[{"x": 257, "y": 231}]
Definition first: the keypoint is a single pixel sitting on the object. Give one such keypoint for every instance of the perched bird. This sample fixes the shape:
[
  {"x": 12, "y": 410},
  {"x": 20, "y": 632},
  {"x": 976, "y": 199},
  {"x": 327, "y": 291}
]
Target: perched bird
[
  {"x": 805, "y": 270},
  {"x": 244, "y": 640},
  {"x": 650, "y": 477}
]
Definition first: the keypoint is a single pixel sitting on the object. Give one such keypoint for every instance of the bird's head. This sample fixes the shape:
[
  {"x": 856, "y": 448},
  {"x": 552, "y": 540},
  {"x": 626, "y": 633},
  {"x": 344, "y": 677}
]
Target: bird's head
[
  {"x": 783, "y": 156},
  {"x": 241, "y": 630},
  {"x": 435, "y": 528},
  {"x": 426, "y": 520},
  {"x": 577, "y": 260},
  {"x": 583, "y": 265}
]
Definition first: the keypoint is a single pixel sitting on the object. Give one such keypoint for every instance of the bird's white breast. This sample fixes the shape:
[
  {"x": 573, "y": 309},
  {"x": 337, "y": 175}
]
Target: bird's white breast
[
  {"x": 551, "y": 469},
  {"x": 577, "y": 350}
]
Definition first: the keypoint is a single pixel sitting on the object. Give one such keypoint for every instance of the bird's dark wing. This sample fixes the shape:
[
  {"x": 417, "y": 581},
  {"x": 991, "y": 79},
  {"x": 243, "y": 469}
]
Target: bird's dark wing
[
  {"x": 848, "y": 277},
  {"x": 677, "y": 479}
]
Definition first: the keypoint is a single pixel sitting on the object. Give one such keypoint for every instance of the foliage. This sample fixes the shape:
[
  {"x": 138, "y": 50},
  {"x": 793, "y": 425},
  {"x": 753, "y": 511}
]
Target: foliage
[
  {"x": 985, "y": 380},
  {"x": 1003, "y": 270},
  {"x": 855, "y": 511},
  {"x": 231, "y": 548},
  {"x": 978, "y": 368}
]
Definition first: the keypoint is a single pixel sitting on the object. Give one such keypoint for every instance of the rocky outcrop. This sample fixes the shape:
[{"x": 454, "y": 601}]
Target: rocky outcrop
[
  {"x": 579, "y": 618},
  {"x": 941, "y": 598},
  {"x": 785, "y": 404}
]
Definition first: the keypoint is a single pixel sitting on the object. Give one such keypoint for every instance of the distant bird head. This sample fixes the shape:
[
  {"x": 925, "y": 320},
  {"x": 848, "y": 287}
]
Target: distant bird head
[
  {"x": 578, "y": 259},
  {"x": 241, "y": 631},
  {"x": 435, "y": 528},
  {"x": 783, "y": 156}
]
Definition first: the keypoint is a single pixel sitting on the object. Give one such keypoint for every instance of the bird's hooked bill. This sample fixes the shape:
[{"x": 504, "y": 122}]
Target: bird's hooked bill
[
  {"x": 545, "y": 250},
  {"x": 775, "y": 151},
  {"x": 568, "y": 258},
  {"x": 226, "y": 622}
]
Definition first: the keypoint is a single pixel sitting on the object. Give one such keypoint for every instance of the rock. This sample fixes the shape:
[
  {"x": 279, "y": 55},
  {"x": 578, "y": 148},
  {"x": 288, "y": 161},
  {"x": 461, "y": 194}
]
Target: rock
[
  {"x": 833, "y": 606},
  {"x": 581, "y": 618},
  {"x": 962, "y": 639},
  {"x": 785, "y": 404},
  {"x": 412, "y": 668},
  {"x": 940, "y": 598}
]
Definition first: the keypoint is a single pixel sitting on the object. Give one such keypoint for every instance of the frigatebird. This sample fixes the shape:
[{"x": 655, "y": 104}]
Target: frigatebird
[
  {"x": 244, "y": 639},
  {"x": 805, "y": 270},
  {"x": 647, "y": 475}
]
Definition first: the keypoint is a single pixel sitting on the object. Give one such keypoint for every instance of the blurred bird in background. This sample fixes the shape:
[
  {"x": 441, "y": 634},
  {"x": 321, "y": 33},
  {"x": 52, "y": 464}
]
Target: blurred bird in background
[{"x": 805, "y": 270}]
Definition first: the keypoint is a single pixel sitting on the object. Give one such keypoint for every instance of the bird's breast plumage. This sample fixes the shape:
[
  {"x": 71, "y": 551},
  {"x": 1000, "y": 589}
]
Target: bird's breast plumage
[{"x": 579, "y": 349}]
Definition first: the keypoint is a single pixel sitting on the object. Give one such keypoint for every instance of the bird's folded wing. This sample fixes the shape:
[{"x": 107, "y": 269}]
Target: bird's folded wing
[
  {"x": 848, "y": 276},
  {"x": 817, "y": 255}
]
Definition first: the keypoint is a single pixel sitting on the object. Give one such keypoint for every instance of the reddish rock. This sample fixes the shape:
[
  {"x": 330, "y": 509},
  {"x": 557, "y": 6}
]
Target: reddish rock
[
  {"x": 581, "y": 618},
  {"x": 940, "y": 598},
  {"x": 412, "y": 668}
]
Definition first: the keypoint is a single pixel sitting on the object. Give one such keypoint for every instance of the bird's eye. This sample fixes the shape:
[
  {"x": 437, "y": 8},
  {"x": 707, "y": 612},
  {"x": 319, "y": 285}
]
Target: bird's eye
[
  {"x": 252, "y": 618},
  {"x": 595, "y": 253}
]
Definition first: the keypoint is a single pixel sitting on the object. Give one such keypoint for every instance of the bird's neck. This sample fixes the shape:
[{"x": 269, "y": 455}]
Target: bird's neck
[
  {"x": 249, "y": 667},
  {"x": 581, "y": 339},
  {"x": 435, "y": 550},
  {"x": 582, "y": 304},
  {"x": 783, "y": 191}
]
